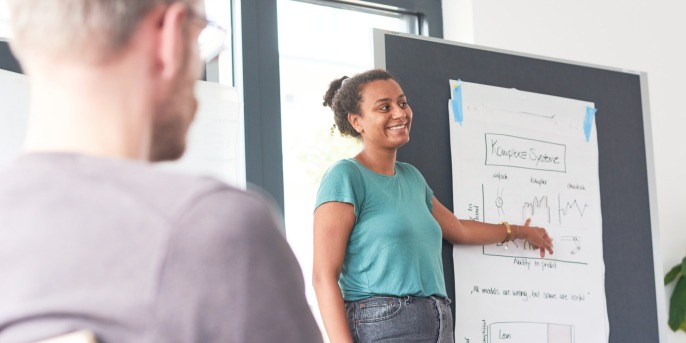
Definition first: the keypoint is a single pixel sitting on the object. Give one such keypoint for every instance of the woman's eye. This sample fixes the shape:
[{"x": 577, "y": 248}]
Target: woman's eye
[
  {"x": 384, "y": 108},
  {"x": 403, "y": 104}
]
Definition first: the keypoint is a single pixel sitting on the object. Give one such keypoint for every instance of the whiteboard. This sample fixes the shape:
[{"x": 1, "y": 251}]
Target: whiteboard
[{"x": 215, "y": 143}]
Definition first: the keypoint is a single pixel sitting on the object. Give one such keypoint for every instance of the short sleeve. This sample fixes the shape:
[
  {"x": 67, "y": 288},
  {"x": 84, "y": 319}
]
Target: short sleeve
[
  {"x": 342, "y": 183},
  {"x": 429, "y": 193}
]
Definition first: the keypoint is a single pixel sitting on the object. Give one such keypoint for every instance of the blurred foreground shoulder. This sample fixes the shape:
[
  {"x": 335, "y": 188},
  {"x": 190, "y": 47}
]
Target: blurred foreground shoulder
[{"x": 231, "y": 265}]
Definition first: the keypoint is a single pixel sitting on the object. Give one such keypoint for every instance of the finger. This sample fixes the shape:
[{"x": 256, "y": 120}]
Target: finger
[
  {"x": 542, "y": 252},
  {"x": 526, "y": 223},
  {"x": 549, "y": 245}
]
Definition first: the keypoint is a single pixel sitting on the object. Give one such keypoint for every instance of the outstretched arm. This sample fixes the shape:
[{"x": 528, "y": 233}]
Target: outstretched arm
[{"x": 459, "y": 231}]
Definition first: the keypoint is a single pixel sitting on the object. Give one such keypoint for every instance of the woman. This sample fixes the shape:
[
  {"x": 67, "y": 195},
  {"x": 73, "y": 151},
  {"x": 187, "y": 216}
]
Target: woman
[{"x": 378, "y": 229}]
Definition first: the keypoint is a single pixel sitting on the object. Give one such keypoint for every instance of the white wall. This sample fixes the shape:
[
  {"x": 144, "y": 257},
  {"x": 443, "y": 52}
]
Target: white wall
[
  {"x": 4, "y": 20},
  {"x": 640, "y": 35}
]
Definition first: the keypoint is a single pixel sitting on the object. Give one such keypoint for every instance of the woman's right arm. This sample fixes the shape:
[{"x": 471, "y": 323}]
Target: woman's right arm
[{"x": 333, "y": 223}]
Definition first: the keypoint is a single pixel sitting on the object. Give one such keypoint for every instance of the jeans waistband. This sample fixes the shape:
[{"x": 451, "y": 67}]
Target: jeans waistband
[{"x": 405, "y": 298}]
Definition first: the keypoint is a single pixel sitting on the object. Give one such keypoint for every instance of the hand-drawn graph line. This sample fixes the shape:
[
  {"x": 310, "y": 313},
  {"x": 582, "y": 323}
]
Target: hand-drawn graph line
[
  {"x": 496, "y": 250},
  {"x": 539, "y": 205},
  {"x": 530, "y": 332},
  {"x": 499, "y": 202},
  {"x": 570, "y": 206}
]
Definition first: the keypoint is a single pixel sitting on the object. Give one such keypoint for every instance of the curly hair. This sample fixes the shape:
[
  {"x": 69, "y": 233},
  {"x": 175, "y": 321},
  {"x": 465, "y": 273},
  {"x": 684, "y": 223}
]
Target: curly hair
[{"x": 344, "y": 96}]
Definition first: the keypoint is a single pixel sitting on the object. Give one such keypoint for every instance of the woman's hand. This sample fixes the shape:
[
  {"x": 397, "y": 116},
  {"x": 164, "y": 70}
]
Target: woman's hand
[{"x": 537, "y": 236}]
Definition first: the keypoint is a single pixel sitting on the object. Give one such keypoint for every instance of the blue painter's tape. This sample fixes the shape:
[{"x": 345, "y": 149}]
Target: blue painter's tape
[
  {"x": 456, "y": 102},
  {"x": 588, "y": 121}
]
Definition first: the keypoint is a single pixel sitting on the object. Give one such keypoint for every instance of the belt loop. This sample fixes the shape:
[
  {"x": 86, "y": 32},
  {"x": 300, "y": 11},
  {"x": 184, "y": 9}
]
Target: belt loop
[{"x": 408, "y": 299}]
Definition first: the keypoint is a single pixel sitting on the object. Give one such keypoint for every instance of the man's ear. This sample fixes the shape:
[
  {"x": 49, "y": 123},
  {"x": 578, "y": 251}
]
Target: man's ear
[{"x": 172, "y": 39}]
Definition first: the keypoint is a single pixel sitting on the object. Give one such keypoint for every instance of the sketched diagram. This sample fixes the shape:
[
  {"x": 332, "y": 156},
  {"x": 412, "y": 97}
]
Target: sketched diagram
[
  {"x": 499, "y": 202},
  {"x": 537, "y": 208},
  {"x": 542, "y": 208},
  {"x": 576, "y": 244},
  {"x": 545, "y": 209},
  {"x": 570, "y": 210},
  {"x": 530, "y": 332}
]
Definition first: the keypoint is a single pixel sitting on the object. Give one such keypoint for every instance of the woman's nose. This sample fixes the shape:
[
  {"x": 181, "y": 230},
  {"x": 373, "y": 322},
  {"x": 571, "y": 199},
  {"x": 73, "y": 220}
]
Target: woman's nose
[{"x": 398, "y": 113}]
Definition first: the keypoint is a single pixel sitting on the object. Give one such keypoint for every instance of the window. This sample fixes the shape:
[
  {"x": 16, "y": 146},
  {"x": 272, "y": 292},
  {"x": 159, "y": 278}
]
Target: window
[
  {"x": 318, "y": 42},
  {"x": 221, "y": 70},
  {"x": 4, "y": 20}
]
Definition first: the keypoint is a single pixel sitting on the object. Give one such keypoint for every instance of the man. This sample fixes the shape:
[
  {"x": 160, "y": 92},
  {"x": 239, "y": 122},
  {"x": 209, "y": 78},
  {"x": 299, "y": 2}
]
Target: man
[{"x": 91, "y": 236}]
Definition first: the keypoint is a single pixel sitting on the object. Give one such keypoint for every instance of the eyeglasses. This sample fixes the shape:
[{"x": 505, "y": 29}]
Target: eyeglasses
[{"x": 211, "y": 40}]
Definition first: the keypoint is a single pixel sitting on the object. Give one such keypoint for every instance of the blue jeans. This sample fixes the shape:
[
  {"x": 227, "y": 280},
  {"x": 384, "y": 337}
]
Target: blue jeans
[{"x": 400, "y": 319}]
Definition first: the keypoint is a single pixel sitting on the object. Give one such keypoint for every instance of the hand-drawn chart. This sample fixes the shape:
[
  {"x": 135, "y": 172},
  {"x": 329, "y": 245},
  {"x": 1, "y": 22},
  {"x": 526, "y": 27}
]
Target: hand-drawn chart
[
  {"x": 519, "y": 156},
  {"x": 546, "y": 209},
  {"x": 527, "y": 332}
]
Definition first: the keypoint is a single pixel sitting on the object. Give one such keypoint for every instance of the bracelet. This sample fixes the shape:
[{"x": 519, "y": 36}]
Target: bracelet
[
  {"x": 516, "y": 234},
  {"x": 509, "y": 233}
]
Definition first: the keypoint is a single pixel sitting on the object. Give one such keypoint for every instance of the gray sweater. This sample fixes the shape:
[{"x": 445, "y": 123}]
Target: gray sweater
[{"x": 138, "y": 255}]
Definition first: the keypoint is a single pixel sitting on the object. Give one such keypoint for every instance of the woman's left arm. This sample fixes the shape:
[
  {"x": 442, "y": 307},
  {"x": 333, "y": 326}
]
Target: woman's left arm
[{"x": 458, "y": 231}]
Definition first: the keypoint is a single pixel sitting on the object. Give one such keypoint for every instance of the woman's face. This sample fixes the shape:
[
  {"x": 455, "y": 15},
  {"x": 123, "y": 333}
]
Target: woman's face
[{"x": 386, "y": 116}]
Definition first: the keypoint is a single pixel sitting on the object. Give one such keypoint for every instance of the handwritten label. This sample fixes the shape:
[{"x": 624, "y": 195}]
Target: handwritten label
[
  {"x": 531, "y": 294},
  {"x": 512, "y": 151},
  {"x": 576, "y": 187},
  {"x": 473, "y": 212},
  {"x": 500, "y": 176}
]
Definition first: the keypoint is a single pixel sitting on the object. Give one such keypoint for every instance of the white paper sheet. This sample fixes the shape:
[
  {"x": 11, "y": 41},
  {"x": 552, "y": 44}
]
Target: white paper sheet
[{"x": 519, "y": 155}]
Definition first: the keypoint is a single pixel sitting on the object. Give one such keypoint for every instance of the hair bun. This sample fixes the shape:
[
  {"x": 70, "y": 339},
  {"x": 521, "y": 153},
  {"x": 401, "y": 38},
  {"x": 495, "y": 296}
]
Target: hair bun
[{"x": 334, "y": 86}]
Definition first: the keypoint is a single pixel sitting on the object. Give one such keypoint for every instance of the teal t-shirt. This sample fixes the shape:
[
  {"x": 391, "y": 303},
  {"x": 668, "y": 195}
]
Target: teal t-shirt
[{"x": 395, "y": 245}]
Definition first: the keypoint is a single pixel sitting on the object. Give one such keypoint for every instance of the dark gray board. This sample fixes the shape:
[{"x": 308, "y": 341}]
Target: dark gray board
[
  {"x": 7, "y": 59},
  {"x": 423, "y": 67}
]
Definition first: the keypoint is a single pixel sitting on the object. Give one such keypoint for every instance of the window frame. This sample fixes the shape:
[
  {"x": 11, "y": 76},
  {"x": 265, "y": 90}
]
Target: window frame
[{"x": 259, "y": 80}]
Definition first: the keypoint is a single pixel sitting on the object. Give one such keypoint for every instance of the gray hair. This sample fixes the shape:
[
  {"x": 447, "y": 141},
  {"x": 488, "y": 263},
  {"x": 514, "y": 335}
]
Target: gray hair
[{"x": 90, "y": 29}]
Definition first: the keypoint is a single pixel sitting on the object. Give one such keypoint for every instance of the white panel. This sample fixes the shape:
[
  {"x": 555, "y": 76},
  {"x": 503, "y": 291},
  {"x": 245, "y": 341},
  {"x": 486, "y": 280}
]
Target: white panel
[
  {"x": 14, "y": 109},
  {"x": 215, "y": 140},
  {"x": 216, "y": 144},
  {"x": 4, "y": 20}
]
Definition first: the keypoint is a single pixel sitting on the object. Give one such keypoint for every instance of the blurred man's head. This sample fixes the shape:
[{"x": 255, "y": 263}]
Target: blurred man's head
[
  {"x": 90, "y": 29},
  {"x": 155, "y": 39}
]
